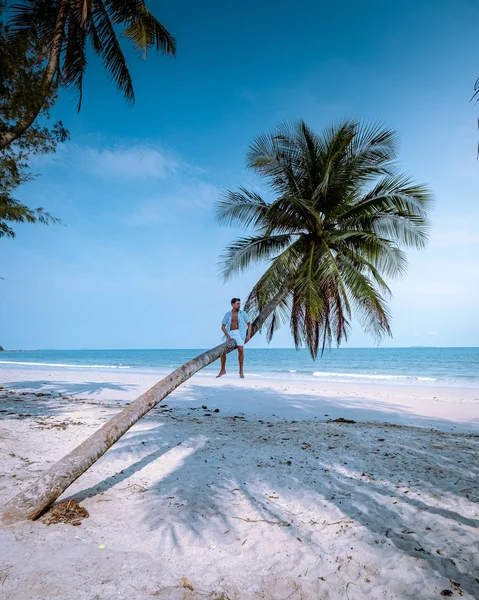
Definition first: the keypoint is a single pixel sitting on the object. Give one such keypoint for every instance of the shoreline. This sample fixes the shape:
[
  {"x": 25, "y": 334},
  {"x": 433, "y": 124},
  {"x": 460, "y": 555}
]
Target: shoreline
[
  {"x": 436, "y": 367},
  {"x": 442, "y": 408},
  {"x": 289, "y": 376}
]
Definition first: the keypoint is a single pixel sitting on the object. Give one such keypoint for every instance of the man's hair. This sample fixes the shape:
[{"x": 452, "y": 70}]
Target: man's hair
[{"x": 233, "y": 300}]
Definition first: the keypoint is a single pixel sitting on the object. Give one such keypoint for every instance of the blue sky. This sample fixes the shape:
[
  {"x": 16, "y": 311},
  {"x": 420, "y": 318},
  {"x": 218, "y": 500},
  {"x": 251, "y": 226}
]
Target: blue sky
[{"x": 134, "y": 265}]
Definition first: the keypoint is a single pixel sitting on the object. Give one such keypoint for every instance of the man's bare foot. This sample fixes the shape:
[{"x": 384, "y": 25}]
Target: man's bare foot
[
  {"x": 220, "y": 374},
  {"x": 241, "y": 374}
]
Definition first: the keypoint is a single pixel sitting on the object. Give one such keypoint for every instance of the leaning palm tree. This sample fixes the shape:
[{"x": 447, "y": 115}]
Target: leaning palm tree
[
  {"x": 63, "y": 28},
  {"x": 338, "y": 224}
]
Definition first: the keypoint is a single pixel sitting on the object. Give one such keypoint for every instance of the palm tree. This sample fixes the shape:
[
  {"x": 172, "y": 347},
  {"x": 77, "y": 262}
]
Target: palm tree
[
  {"x": 337, "y": 224},
  {"x": 65, "y": 27}
]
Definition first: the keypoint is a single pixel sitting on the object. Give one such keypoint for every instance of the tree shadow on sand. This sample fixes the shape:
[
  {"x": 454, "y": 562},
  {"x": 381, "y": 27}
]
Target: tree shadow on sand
[
  {"x": 282, "y": 473},
  {"x": 45, "y": 399},
  {"x": 69, "y": 388},
  {"x": 270, "y": 403}
]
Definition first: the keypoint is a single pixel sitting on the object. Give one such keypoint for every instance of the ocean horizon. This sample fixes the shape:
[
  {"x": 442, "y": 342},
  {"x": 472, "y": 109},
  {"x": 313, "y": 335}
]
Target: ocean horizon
[{"x": 440, "y": 366}]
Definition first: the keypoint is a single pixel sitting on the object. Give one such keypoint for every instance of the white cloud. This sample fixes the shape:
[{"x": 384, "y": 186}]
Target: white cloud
[
  {"x": 126, "y": 161},
  {"x": 135, "y": 162},
  {"x": 144, "y": 184}
]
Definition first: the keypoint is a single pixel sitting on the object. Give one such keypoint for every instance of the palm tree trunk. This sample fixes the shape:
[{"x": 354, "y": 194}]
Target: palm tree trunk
[
  {"x": 17, "y": 130},
  {"x": 32, "y": 502}
]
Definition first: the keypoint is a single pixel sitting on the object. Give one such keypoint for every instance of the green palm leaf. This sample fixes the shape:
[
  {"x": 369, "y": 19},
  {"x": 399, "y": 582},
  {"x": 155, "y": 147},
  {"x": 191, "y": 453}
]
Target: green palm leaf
[
  {"x": 110, "y": 51},
  {"x": 250, "y": 250},
  {"x": 243, "y": 207}
]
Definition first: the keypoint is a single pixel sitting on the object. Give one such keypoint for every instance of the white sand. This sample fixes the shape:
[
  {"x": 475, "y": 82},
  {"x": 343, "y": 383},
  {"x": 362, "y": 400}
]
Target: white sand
[{"x": 276, "y": 503}]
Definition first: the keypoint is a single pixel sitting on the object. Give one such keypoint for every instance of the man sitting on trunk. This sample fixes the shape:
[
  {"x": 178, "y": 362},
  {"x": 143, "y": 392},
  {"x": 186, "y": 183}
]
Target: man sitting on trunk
[{"x": 236, "y": 325}]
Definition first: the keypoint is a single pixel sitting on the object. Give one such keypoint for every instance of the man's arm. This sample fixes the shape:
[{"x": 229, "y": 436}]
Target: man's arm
[
  {"x": 224, "y": 323},
  {"x": 248, "y": 335}
]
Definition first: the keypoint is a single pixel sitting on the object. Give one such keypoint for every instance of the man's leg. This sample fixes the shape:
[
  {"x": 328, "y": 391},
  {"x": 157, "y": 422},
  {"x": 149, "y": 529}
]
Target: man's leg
[
  {"x": 241, "y": 360},
  {"x": 223, "y": 366}
]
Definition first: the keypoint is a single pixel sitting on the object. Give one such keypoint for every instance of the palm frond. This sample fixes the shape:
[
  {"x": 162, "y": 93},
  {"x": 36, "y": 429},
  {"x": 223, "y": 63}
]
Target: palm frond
[
  {"x": 33, "y": 19},
  {"x": 247, "y": 251},
  {"x": 280, "y": 316},
  {"x": 109, "y": 49},
  {"x": 141, "y": 26},
  {"x": 241, "y": 208},
  {"x": 274, "y": 156},
  {"x": 391, "y": 192},
  {"x": 369, "y": 304},
  {"x": 278, "y": 276},
  {"x": 382, "y": 253},
  {"x": 75, "y": 62}
]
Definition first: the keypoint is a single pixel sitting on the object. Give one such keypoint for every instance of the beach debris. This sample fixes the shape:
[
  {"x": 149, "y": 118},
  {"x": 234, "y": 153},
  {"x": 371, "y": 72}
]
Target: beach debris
[
  {"x": 347, "y": 586},
  {"x": 280, "y": 523},
  {"x": 68, "y": 511},
  {"x": 186, "y": 584},
  {"x": 101, "y": 546},
  {"x": 446, "y": 593},
  {"x": 341, "y": 420},
  {"x": 338, "y": 522},
  {"x": 456, "y": 584}
]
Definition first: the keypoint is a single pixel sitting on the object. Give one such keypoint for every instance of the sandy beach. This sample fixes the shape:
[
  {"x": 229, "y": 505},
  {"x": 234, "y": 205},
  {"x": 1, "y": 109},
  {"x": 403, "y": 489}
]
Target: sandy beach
[{"x": 245, "y": 489}]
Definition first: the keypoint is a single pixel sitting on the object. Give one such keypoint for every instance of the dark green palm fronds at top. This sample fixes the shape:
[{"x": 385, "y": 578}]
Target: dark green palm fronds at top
[{"x": 91, "y": 22}]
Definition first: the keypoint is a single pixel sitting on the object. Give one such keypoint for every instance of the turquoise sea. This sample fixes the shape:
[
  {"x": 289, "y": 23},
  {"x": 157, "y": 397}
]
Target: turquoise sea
[{"x": 458, "y": 367}]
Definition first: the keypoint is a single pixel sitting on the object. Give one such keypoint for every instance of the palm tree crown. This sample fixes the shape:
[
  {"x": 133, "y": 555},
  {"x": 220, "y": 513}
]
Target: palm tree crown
[
  {"x": 340, "y": 221},
  {"x": 74, "y": 23}
]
